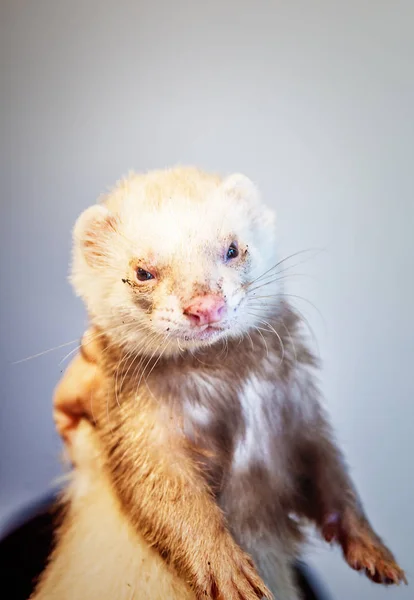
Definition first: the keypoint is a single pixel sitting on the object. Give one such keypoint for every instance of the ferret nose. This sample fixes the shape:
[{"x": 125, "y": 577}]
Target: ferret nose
[{"x": 205, "y": 310}]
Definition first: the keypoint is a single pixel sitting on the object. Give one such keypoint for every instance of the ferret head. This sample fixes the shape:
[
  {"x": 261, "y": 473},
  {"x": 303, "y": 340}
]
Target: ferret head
[{"x": 177, "y": 259}]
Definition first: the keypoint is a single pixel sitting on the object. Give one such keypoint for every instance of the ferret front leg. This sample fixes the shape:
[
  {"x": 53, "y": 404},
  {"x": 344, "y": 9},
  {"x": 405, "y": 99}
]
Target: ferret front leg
[
  {"x": 329, "y": 498},
  {"x": 163, "y": 494},
  {"x": 167, "y": 500}
]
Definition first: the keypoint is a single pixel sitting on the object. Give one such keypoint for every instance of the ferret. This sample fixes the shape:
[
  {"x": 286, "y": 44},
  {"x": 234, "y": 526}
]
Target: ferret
[{"x": 207, "y": 450}]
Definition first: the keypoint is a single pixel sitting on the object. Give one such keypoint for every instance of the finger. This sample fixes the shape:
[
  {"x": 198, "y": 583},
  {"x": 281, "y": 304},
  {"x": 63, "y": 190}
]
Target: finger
[{"x": 91, "y": 345}]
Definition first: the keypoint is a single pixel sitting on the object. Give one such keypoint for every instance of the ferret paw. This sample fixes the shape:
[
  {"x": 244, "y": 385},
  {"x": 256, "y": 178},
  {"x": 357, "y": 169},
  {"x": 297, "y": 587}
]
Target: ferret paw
[
  {"x": 363, "y": 550},
  {"x": 364, "y": 554},
  {"x": 232, "y": 576}
]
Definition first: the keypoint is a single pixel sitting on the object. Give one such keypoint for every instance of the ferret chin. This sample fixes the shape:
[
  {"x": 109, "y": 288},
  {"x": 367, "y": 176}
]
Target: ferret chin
[{"x": 207, "y": 412}]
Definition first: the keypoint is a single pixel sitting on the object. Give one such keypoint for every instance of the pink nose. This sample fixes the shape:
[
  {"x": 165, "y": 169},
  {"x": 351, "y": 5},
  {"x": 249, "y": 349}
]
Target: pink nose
[{"x": 206, "y": 309}]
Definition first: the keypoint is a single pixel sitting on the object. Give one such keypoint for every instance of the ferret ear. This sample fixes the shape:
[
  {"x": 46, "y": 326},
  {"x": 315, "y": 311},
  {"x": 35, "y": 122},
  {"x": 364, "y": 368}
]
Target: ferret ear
[
  {"x": 91, "y": 234},
  {"x": 244, "y": 191},
  {"x": 241, "y": 188}
]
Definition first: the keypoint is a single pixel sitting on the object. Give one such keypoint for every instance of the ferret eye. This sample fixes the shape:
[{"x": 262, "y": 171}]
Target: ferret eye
[
  {"x": 143, "y": 275},
  {"x": 232, "y": 252}
]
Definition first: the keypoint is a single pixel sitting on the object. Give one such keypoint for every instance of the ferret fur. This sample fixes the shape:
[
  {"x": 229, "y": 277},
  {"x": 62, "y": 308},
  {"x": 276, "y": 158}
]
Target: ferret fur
[{"x": 232, "y": 421}]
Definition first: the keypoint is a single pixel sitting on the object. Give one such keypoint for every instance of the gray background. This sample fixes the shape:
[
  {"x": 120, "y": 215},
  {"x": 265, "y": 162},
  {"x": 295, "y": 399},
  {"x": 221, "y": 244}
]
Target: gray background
[{"x": 314, "y": 101}]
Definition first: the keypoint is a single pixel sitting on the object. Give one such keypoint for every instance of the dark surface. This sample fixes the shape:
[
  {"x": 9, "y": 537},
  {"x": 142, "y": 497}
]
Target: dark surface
[
  {"x": 23, "y": 554},
  {"x": 24, "y": 550}
]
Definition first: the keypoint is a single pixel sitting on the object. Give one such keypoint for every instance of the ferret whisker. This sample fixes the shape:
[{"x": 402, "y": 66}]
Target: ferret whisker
[
  {"x": 282, "y": 347},
  {"x": 22, "y": 360},
  {"x": 129, "y": 355},
  {"x": 115, "y": 389},
  {"x": 167, "y": 343},
  {"x": 222, "y": 351},
  {"x": 284, "y": 294},
  {"x": 143, "y": 347},
  {"x": 264, "y": 340},
  {"x": 144, "y": 356},
  {"x": 263, "y": 310},
  {"x": 241, "y": 337},
  {"x": 280, "y": 262},
  {"x": 120, "y": 361},
  {"x": 139, "y": 352},
  {"x": 148, "y": 363},
  {"x": 154, "y": 355},
  {"x": 260, "y": 317},
  {"x": 310, "y": 303},
  {"x": 115, "y": 386},
  {"x": 275, "y": 266},
  {"x": 298, "y": 313},
  {"x": 304, "y": 320},
  {"x": 70, "y": 354},
  {"x": 251, "y": 341},
  {"x": 281, "y": 273},
  {"x": 132, "y": 354},
  {"x": 194, "y": 352},
  {"x": 275, "y": 277},
  {"x": 262, "y": 285},
  {"x": 290, "y": 339},
  {"x": 89, "y": 341},
  {"x": 227, "y": 347}
]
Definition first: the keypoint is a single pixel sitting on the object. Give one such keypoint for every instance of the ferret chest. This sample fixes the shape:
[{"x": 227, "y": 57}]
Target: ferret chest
[
  {"x": 259, "y": 424},
  {"x": 238, "y": 421}
]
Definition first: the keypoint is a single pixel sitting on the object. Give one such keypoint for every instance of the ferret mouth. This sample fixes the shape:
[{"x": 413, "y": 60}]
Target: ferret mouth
[
  {"x": 208, "y": 331},
  {"x": 204, "y": 333}
]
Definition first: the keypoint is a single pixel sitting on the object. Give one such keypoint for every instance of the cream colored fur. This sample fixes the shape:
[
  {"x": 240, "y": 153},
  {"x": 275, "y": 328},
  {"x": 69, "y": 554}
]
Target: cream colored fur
[{"x": 99, "y": 556}]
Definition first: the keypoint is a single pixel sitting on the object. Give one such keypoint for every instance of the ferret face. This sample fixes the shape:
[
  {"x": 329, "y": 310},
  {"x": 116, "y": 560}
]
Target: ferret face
[{"x": 177, "y": 259}]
